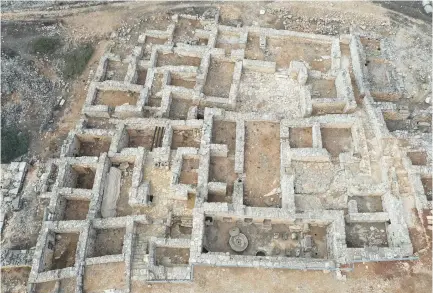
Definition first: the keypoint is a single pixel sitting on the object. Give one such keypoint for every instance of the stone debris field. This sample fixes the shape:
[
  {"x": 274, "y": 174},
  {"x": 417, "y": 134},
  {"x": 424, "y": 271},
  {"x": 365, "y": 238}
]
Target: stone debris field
[{"x": 216, "y": 145}]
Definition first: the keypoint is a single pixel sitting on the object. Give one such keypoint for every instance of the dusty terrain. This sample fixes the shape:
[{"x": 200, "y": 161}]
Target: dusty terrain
[{"x": 33, "y": 86}]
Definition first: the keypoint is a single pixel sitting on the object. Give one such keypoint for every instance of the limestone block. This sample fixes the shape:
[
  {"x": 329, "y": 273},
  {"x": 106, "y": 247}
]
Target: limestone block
[
  {"x": 13, "y": 192},
  {"x": 16, "y": 203},
  {"x": 352, "y": 206},
  {"x": 111, "y": 193},
  {"x": 298, "y": 71}
]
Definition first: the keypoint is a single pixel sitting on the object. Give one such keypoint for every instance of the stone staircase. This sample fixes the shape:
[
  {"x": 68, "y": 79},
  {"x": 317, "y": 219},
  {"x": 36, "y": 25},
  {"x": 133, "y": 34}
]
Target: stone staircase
[
  {"x": 139, "y": 265},
  {"x": 403, "y": 178}
]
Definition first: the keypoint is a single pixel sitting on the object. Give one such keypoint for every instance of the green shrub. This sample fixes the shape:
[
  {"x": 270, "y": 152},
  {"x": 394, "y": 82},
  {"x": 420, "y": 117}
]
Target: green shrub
[
  {"x": 14, "y": 143},
  {"x": 45, "y": 45},
  {"x": 76, "y": 60}
]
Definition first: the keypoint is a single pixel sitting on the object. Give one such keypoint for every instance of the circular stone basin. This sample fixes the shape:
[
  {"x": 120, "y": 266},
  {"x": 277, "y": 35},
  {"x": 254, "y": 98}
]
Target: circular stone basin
[{"x": 239, "y": 242}]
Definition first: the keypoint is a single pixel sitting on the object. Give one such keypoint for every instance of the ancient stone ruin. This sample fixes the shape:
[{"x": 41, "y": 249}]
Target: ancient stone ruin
[{"x": 243, "y": 147}]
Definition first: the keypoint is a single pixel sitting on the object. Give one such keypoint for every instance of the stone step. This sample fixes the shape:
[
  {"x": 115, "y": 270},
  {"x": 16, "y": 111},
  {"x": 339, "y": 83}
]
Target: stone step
[
  {"x": 139, "y": 266},
  {"x": 401, "y": 172},
  {"x": 140, "y": 258},
  {"x": 140, "y": 252},
  {"x": 140, "y": 248},
  {"x": 138, "y": 263},
  {"x": 139, "y": 272},
  {"x": 139, "y": 278},
  {"x": 142, "y": 238}
]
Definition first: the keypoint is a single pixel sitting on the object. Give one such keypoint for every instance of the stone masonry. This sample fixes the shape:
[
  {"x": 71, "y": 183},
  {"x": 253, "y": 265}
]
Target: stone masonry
[{"x": 141, "y": 160}]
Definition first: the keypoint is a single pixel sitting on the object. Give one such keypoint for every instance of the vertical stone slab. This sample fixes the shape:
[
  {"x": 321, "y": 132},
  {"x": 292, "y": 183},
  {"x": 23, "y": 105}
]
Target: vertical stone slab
[
  {"x": 240, "y": 146},
  {"x": 111, "y": 193}
]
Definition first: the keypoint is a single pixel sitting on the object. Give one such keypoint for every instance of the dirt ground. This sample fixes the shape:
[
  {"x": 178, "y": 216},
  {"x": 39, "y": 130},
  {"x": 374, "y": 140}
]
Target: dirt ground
[
  {"x": 366, "y": 234},
  {"x": 427, "y": 184},
  {"x": 301, "y": 137},
  {"x": 322, "y": 88},
  {"x": 183, "y": 31},
  {"x": 14, "y": 280},
  {"x": 186, "y": 138},
  {"x": 286, "y": 50},
  {"x": 65, "y": 248},
  {"x": 222, "y": 170},
  {"x": 177, "y": 60},
  {"x": 179, "y": 109},
  {"x": 141, "y": 138},
  {"x": 104, "y": 276},
  {"x": 224, "y": 132},
  {"x": 262, "y": 164},
  {"x": 109, "y": 241},
  {"x": 418, "y": 158},
  {"x": 168, "y": 256},
  {"x": 182, "y": 82},
  {"x": 219, "y": 79},
  {"x": 95, "y": 148},
  {"x": 189, "y": 172},
  {"x": 116, "y": 70},
  {"x": 85, "y": 178},
  {"x": 65, "y": 285},
  {"x": 336, "y": 140},
  {"x": 179, "y": 231},
  {"x": 116, "y": 98},
  {"x": 76, "y": 209}
]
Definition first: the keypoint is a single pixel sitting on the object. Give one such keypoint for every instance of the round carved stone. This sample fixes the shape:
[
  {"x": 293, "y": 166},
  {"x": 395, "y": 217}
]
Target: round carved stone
[
  {"x": 239, "y": 242},
  {"x": 234, "y": 231}
]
